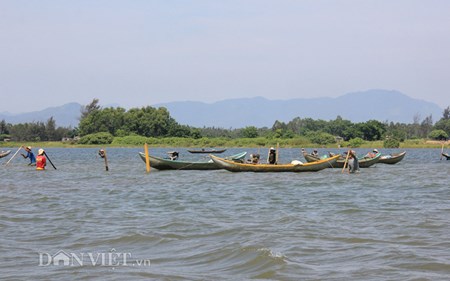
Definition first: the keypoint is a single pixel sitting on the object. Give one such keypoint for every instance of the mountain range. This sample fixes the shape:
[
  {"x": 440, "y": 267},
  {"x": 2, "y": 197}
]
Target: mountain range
[{"x": 382, "y": 105}]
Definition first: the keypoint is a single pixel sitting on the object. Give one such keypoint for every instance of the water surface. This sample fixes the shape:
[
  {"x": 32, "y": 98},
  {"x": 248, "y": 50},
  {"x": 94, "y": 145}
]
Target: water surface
[{"x": 385, "y": 223}]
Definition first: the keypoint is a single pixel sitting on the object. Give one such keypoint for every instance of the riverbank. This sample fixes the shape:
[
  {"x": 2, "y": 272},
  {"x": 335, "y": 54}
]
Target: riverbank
[{"x": 205, "y": 142}]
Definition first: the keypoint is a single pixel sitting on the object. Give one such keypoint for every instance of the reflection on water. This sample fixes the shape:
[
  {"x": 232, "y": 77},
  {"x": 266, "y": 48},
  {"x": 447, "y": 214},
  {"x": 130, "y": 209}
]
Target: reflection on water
[{"x": 388, "y": 222}]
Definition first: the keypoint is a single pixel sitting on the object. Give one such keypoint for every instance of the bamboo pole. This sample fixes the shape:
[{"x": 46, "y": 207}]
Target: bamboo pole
[
  {"x": 147, "y": 159},
  {"x": 48, "y": 158},
  {"x": 13, "y": 156},
  {"x": 276, "y": 156},
  {"x": 346, "y": 160}
]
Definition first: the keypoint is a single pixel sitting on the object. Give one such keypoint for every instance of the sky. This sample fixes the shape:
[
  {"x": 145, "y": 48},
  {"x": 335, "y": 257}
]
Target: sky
[{"x": 142, "y": 52}]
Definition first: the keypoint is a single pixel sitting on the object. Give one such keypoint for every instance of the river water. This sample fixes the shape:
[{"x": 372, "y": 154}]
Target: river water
[{"x": 80, "y": 222}]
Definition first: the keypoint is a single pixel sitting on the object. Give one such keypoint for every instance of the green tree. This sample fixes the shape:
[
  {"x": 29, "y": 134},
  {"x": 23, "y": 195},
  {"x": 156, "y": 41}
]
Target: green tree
[
  {"x": 50, "y": 129},
  {"x": 391, "y": 143},
  {"x": 249, "y": 132},
  {"x": 97, "y": 138},
  {"x": 438, "y": 135},
  {"x": 372, "y": 130},
  {"x": 356, "y": 142},
  {"x": 3, "y": 128},
  {"x": 89, "y": 109}
]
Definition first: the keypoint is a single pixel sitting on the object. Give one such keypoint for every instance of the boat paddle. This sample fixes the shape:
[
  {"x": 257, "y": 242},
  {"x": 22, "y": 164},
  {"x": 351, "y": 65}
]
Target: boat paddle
[
  {"x": 346, "y": 160},
  {"x": 45, "y": 153},
  {"x": 13, "y": 156}
]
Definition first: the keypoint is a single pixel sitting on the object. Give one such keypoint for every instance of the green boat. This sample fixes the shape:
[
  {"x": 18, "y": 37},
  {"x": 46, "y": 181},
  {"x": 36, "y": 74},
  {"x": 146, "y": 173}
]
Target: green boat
[
  {"x": 167, "y": 164},
  {"x": 292, "y": 167},
  {"x": 393, "y": 158},
  {"x": 364, "y": 162}
]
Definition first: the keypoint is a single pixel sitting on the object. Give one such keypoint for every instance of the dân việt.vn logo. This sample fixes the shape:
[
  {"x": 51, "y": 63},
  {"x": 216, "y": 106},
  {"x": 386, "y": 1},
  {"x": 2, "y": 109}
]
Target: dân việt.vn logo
[{"x": 111, "y": 259}]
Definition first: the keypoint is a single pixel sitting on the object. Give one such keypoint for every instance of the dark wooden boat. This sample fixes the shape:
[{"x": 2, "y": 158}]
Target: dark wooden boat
[
  {"x": 393, "y": 158},
  {"x": 167, "y": 164},
  {"x": 5, "y": 153},
  {"x": 446, "y": 156},
  {"x": 249, "y": 167},
  {"x": 209, "y": 151},
  {"x": 364, "y": 162}
]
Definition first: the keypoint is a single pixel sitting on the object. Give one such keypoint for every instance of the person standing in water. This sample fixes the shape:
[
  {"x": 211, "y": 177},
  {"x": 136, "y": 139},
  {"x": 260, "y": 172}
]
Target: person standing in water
[
  {"x": 30, "y": 155},
  {"x": 41, "y": 160},
  {"x": 353, "y": 162}
]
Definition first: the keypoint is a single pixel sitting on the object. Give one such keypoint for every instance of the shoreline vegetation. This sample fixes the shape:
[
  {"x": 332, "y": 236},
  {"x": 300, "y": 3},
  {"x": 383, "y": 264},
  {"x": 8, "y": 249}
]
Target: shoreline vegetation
[
  {"x": 131, "y": 142},
  {"x": 118, "y": 127}
]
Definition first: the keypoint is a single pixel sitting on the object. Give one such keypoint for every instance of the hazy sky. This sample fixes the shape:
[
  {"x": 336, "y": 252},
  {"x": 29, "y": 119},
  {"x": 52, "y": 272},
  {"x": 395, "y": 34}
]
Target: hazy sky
[{"x": 142, "y": 52}]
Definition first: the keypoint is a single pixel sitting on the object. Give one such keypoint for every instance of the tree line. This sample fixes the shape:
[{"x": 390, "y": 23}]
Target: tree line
[
  {"x": 35, "y": 131},
  {"x": 156, "y": 122}
]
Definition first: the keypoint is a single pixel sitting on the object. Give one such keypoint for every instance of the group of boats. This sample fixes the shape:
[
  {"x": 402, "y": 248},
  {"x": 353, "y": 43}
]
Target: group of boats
[{"x": 237, "y": 163}]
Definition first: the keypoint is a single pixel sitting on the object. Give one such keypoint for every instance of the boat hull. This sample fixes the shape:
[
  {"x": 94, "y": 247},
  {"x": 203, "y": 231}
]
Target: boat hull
[
  {"x": 167, "y": 164},
  {"x": 5, "y": 153},
  {"x": 365, "y": 162},
  {"x": 392, "y": 158},
  {"x": 248, "y": 167},
  {"x": 213, "y": 151}
]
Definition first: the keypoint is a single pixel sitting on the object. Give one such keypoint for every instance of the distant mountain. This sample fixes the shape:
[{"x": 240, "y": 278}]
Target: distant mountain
[
  {"x": 65, "y": 115},
  {"x": 382, "y": 105}
]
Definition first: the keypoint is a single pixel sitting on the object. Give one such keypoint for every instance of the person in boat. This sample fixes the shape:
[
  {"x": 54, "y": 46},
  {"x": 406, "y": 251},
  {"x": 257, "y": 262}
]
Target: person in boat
[
  {"x": 173, "y": 155},
  {"x": 41, "y": 160},
  {"x": 30, "y": 155},
  {"x": 315, "y": 153},
  {"x": 272, "y": 158},
  {"x": 372, "y": 154},
  {"x": 254, "y": 159}
]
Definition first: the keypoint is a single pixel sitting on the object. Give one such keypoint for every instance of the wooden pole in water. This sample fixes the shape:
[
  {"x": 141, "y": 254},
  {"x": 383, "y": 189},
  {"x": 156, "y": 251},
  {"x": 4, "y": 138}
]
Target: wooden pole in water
[
  {"x": 442, "y": 150},
  {"x": 106, "y": 162},
  {"x": 276, "y": 157},
  {"x": 147, "y": 159},
  {"x": 102, "y": 154},
  {"x": 13, "y": 156},
  {"x": 346, "y": 160}
]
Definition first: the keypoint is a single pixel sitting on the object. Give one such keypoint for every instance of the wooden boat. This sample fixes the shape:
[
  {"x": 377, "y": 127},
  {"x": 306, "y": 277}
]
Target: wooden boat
[
  {"x": 364, "y": 162},
  {"x": 249, "y": 167},
  {"x": 5, "y": 153},
  {"x": 167, "y": 164},
  {"x": 446, "y": 156},
  {"x": 392, "y": 158},
  {"x": 210, "y": 151}
]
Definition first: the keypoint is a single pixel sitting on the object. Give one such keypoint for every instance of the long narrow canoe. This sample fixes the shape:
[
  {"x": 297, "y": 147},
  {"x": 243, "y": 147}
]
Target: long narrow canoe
[
  {"x": 248, "y": 167},
  {"x": 4, "y": 153},
  {"x": 210, "y": 151},
  {"x": 393, "y": 158},
  {"x": 364, "y": 162},
  {"x": 167, "y": 164},
  {"x": 446, "y": 156}
]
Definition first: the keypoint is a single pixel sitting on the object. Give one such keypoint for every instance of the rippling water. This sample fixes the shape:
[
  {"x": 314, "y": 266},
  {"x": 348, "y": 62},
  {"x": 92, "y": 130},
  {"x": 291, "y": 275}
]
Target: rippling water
[{"x": 385, "y": 223}]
